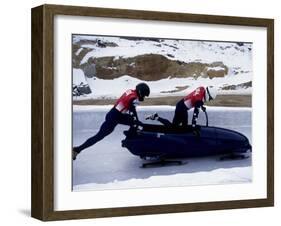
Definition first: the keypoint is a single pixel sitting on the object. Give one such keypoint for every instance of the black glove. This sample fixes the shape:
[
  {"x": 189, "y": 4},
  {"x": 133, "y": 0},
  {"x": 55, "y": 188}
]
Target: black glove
[{"x": 203, "y": 108}]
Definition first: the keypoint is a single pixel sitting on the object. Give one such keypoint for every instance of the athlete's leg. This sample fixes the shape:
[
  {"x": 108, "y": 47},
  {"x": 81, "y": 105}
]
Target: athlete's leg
[
  {"x": 184, "y": 116},
  {"x": 164, "y": 121},
  {"x": 106, "y": 128},
  {"x": 180, "y": 117},
  {"x": 155, "y": 116}
]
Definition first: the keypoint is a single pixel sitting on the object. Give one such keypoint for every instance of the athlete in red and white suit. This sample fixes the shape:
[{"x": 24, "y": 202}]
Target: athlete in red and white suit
[
  {"x": 125, "y": 102},
  {"x": 195, "y": 100},
  {"x": 123, "y": 112}
]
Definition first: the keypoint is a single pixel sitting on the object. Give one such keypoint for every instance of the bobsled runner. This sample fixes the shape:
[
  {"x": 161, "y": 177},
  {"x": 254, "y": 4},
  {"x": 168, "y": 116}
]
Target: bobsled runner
[{"x": 164, "y": 143}]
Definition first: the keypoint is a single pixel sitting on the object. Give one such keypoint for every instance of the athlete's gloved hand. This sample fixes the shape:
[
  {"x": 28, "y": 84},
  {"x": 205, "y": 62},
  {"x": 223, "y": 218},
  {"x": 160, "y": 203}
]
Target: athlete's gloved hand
[
  {"x": 152, "y": 116},
  {"x": 203, "y": 108}
]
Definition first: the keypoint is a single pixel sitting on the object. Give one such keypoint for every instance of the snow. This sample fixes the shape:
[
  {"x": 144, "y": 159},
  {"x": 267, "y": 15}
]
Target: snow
[
  {"x": 183, "y": 50},
  {"x": 78, "y": 77},
  {"x": 78, "y": 51},
  {"x": 114, "y": 88},
  {"x": 215, "y": 68},
  {"x": 237, "y": 58},
  {"x": 161, "y": 181},
  {"x": 107, "y": 165}
]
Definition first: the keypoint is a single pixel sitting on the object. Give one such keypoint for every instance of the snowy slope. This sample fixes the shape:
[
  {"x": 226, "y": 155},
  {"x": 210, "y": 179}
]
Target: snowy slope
[
  {"x": 182, "y": 50},
  {"x": 238, "y": 59},
  {"x": 115, "y": 87}
]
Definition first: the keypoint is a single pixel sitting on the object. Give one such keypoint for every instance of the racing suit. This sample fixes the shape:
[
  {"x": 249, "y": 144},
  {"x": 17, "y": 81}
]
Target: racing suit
[{"x": 117, "y": 115}]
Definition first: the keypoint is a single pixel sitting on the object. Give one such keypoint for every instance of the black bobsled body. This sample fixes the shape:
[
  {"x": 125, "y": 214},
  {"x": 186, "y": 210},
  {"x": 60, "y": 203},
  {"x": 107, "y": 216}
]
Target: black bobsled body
[{"x": 167, "y": 142}]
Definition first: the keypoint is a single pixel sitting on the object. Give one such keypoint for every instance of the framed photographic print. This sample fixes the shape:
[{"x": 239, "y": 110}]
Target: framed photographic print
[{"x": 141, "y": 112}]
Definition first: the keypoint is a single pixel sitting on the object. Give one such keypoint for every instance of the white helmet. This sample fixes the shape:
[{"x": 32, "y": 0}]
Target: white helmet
[{"x": 210, "y": 93}]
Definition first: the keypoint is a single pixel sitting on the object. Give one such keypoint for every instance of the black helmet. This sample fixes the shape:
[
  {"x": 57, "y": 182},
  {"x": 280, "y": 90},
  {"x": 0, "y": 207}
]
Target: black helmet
[{"x": 142, "y": 90}]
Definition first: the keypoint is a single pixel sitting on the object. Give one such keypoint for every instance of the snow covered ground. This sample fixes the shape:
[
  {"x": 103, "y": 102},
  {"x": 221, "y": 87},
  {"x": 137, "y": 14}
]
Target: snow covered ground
[
  {"x": 183, "y": 50},
  {"x": 106, "y": 89},
  {"x": 107, "y": 165},
  {"x": 238, "y": 59}
]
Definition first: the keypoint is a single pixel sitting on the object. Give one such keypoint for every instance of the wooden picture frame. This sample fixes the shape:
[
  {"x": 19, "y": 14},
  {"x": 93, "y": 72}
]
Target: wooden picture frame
[{"x": 42, "y": 203}]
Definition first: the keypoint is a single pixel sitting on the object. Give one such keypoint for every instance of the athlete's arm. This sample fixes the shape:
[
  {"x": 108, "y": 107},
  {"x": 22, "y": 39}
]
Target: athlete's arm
[
  {"x": 198, "y": 104},
  {"x": 133, "y": 110}
]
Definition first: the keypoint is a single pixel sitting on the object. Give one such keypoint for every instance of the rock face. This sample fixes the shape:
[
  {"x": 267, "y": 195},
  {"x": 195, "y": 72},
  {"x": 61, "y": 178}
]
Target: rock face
[
  {"x": 81, "y": 90},
  {"x": 79, "y": 52},
  {"x": 234, "y": 87},
  {"x": 152, "y": 67}
]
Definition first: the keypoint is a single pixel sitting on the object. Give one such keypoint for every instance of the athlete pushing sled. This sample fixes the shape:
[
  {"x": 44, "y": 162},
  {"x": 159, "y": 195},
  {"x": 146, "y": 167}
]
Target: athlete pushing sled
[
  {"x": 123, "y": 112},
  {"x": 196, "y": 100}
]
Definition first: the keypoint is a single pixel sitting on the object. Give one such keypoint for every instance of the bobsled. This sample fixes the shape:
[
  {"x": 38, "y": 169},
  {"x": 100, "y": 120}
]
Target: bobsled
[{"x": 169, "y": 142}]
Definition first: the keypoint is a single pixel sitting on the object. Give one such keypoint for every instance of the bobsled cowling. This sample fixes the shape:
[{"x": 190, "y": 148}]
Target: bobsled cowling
[{"x": 170, "y": 142}]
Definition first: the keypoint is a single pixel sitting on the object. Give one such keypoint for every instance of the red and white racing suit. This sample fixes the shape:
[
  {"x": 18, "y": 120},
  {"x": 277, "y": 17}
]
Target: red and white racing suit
[
  {"x": 128, "y": 100},
  {"x": 195, "y": 98}
]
